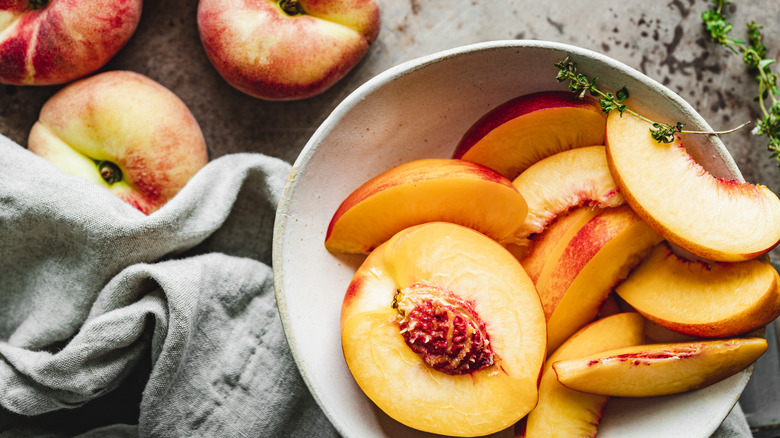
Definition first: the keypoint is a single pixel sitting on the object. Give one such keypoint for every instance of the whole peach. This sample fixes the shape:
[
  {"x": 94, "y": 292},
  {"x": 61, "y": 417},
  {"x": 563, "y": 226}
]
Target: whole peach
[
  {"x": 45, "y": 42},
  {"x": 286, "y": 49}
]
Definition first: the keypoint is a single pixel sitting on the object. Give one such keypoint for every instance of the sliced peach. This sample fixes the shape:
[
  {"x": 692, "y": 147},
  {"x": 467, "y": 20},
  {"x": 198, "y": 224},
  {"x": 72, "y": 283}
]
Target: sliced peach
[
  {"x": 706, "y": 300},
  {"x": 659, "y": 369},
  {"x": 526, "y": 129},
  {"x": 442, "y": 329},
  {"x": 563, "y": 181},
  {"x": 713, "y": 218},
  {"x": 549, "y": 244},
  {"x": 422, "y": 191},
  {"x": 563, "y": 412},
  {"x": 600, "y": 255}
]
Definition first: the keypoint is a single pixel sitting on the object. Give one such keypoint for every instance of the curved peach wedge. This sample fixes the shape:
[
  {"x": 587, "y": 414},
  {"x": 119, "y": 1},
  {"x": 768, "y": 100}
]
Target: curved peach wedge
[
  {"x": 730, "y": 298},
  {"x": 442, "y": 329},
  {"x": 563, "y": 412},
  {"x": 600, "y": 255},
  {"x": 425, "y": 190},
  {"x": 563, "y": 181},
  {"x": 713, "y": 218},
  {"x": 526, "y": 129},
  {"x": 659, "y": 369}
]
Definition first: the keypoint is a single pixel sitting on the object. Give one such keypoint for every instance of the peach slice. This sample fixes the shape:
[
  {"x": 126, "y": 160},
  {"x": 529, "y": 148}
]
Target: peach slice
[
  {"x": 563, "y": 412},
  {"x": 712, "y": 218},
  {"x": 659, "y": 369},
  {"x": 691, "y": 297},
  {"x": 600, "y": 255},
  {"x": 549, "y": 244},
  {"x": 563, "y": 181},
  {"x": 526, "y": 129},
  {"x": 425, "y": 190},
  {"x": 442, "y": 329}
]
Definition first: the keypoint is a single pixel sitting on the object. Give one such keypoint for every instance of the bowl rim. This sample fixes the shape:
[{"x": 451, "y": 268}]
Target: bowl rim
[{"x": 408, "y": 67}]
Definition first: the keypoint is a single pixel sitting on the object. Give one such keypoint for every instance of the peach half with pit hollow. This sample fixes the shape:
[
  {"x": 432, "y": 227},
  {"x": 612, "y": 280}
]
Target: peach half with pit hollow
[
  {"x": 713, "y": 218},
  {"x": 659, "y": 369},
  {"x": 442, "y": 329},
  {"x": 522, "y": 131},
  {"x": 425, "y": 190},
  {"x": 564, "y": 412},
  {"x": 568, "y": 179},
  {"x": 713, "y": 300}
]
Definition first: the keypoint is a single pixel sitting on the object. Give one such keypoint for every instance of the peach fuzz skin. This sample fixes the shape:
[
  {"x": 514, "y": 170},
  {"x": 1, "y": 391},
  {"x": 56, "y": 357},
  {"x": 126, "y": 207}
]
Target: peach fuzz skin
[
  {"x": 731, "y": 298},
  {"x": 262, "y": 51},
  {"x": 63, "y": 40},
  {"x": 712, "y": 218},
  {"x": 563, "y": 412},
  {"x": 524, "y": 130},
  {"x": 476, "y": 269},
  {"x": 659, "y": 369},
  {"x": 425, "y": 190},
  {"x": 129, "y": 120}
]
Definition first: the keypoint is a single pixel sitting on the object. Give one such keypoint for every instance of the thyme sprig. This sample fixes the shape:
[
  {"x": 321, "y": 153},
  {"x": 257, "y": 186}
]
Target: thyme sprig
[
  {"x": 753, "y": 54},
  {"x": 579, "y": 83}
]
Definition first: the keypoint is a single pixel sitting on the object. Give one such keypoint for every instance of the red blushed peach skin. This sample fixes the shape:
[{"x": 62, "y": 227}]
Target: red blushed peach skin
[
  {"x": 713, "y": 218},
  {"x": 563, "y": 412},
  {"x": 563, "y": 181},
  {"x": 422, "y": 191},
  {"x": 549, "y": 244},
  {"x": 457, "y": 265},
  {"x": 706, "y": 300},
  {"x": 62, "y": 40},
  {"x": 522, "y": 131},
  {"x": 600, "y": 255},
  {"x": 659, "y": 369}
]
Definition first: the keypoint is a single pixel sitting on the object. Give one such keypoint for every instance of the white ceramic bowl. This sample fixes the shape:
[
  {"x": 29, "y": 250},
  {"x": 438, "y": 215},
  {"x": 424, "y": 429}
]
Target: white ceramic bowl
[{"x": 421, "y": 109}]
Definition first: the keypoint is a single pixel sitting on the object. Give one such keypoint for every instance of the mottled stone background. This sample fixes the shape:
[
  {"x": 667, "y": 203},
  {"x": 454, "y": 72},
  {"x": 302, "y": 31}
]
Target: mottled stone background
[{"x": 664, "y": 39}]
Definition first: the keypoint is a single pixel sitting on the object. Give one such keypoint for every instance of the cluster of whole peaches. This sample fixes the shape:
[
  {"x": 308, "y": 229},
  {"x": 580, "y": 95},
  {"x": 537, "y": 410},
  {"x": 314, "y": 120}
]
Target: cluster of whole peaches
[
  {"x": 561, "y": 257},
  {"x": 131, "y": 135}
]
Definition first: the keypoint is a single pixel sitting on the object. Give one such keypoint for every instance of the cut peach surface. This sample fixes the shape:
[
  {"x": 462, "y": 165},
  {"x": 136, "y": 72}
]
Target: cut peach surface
[
  {"x": 526, "y": 129},
  {"x": 705, "y": 300},
  {"x": 563, "y": 412},
  {"x": 414, "y": 325},
  {"x": 659, "y": 369},
  {"x": 713, "y": 218},
  {"x": 425, "y": 190},
  {"x": 549, "y": 244},
  {"x": 563, "y": 181},
  {"x": 573, "y": 287}
]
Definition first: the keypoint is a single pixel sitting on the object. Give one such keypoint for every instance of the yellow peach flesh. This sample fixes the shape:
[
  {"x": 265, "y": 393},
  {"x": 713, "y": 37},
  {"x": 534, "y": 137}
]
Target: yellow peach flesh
[
  {"x": 713, "y": 218},
  {"x": 562, "y": 181},
  {"x": 477, "y": 269},
  {"x": 730, "y": 298},
  {"x": 563, "y": 412},
  {"x": 595, "y": 260},
  {"x": 425, "y": 191},
  {"x": 659, "y": 369}
]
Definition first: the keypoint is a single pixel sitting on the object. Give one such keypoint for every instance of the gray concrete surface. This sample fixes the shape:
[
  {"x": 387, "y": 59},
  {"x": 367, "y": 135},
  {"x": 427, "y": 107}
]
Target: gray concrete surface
[{"x": 664, "y": 39}]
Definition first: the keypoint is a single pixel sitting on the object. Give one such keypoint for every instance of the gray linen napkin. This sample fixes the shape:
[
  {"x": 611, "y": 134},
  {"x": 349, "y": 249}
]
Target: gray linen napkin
[{"x": 113, "y": 323}]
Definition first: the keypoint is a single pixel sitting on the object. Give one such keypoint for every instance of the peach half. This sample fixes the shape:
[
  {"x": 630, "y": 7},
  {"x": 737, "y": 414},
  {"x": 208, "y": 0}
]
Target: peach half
[
  {"x": 522, "y": 131},
  {"x": 573, "y": 287},
  {"x": 563, "y": 181},
  {"x": 710, "y": 217},
  {"x": 706, "y": 300},
  {"x": 442, "y": 329},
  {"x": 659, "y": 369},
  {"x": 563, "y": 412},
  {"x": 425, "y": 190}
]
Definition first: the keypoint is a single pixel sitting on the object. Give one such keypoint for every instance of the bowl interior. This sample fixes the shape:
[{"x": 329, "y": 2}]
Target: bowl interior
[{"x": 421, "y": 109}]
